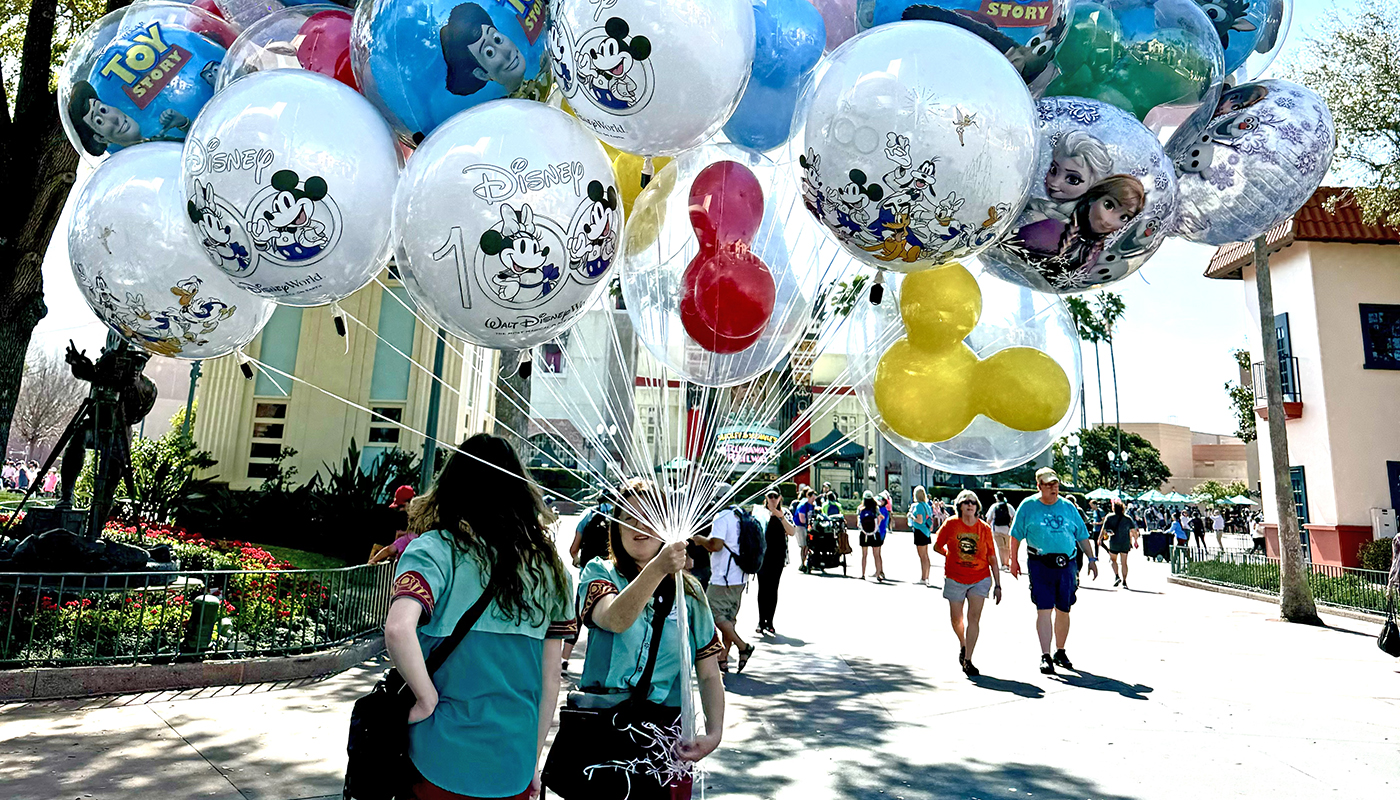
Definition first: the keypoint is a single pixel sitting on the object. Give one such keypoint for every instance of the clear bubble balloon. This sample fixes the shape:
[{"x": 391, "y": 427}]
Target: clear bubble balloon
[
  {"x": 840, "y": 17},
  {"x": 421, "y": 61},
  {"x": 140, "y": 74},
  {"x": 1251, "y": 33},
  {"x": 1106, "y": 201},
  {"x": 920, "y": 145},
  {"x": 503, "y": 239},
  {"x": 1156, "y": 59},
  {"x": 652, "y": 78},
  {"x": 1252, "y": 161},
  {"x": 289, "y": 176},
  {"x": 665, "y": 242},
  {"x": 143, "y": 272},
  {"x": 312, "y": 36},
  {"x": 1019, "y": 363}
]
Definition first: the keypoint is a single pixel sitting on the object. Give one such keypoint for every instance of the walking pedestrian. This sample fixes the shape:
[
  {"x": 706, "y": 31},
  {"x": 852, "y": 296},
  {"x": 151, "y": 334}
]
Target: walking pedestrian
[
  {"x": 1180, "y": 534},
  {"x": 871, "y": 538},
  {"x": 1217, "y": 523},
  {"x": 1001, "y": 516},
  {"x": 627, "y": 601},
  {"x": 921, "y": 522},
  {"x": 1054, "y": 531},
  {"x": 727, "y": 583},
  {"x": 480, "y": 721},
  {"x": 969, "y": 570},
  {"x": 801, "y": 519},
  {"x": 1120, "y": 535},
  {"x": 775, "y": 553},
  {"x": 1198, "y": 528},
  {"x": 1257, "y": 533}
]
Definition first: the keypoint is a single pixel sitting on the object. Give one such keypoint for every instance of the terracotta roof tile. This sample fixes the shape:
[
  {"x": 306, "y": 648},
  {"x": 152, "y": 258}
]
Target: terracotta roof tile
[{"x": 1312, "y": 223}]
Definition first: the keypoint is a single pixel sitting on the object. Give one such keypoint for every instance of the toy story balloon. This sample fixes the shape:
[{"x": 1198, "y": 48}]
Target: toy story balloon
[
  {"x": 288, "y": 179},
  {"x": 1106, "y": 202},
  {"x": 1252, "y": 161},
  {"x": 652, "y": 78},
  {"x": 920, "y": 145},
  {"x": 507, "y": 221},
  {"x": 143, "y": 272},
  {"x": 314, "y": 36},
  {"x": 421, "y": 61},
  {"x": 140, "y": 74},
  {"x": 1251, "y": 32}
]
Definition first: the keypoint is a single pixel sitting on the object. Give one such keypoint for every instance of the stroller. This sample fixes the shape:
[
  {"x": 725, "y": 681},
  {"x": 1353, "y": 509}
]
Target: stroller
[{"x": 828, "y": 543}]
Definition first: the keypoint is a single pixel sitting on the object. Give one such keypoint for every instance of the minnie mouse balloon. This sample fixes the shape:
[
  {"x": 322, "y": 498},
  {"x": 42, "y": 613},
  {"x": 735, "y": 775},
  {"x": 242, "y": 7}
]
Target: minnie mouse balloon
[
  {"x": 1107, "y": 201},
  {"x": 921, "y": 145},
  {"x": 502, "y": 238},
  {"x": 654, "y": 77},
  {"x": 1251, "y": 161},
  {"x": 140, "y": 74},
  {"x": 421, "y": 61},
  {"x": 142, "y": 271},
  {"x": 314, "y": 36},
  {"x": 288, "y": 179}
]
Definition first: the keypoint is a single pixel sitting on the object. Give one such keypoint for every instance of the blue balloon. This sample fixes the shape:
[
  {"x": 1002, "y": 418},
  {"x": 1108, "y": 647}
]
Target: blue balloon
[
  {"x": 147, "y": 84},
  {"x": 425, "y": 60},
  {"x": 789, "y": 37},
  {"x": 1244, "y": 26}
]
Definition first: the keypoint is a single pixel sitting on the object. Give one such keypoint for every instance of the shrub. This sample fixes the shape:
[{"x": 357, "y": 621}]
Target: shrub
[{"x": 1376, "y": 554}]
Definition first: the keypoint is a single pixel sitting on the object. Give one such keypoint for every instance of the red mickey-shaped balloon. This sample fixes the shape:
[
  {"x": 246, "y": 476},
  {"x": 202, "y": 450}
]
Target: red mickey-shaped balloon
[
  {"x": 728, "y": 292},
  {"x": 324, "y": 45}
]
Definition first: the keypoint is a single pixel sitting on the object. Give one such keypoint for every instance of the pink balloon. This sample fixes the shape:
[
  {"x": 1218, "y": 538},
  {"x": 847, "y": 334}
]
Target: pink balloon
[{"x": 840, "y": 19}]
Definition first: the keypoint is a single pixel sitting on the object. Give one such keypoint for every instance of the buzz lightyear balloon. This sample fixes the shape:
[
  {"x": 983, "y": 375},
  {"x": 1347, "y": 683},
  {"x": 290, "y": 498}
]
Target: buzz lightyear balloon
[
  {"x": 920, "y": 145},
  {"x": 507, "y": 222}
]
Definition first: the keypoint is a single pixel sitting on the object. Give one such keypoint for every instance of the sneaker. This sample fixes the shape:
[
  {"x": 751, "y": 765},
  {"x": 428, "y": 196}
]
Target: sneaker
[
  {"x": 1125, "y": 585},
  {"x": 921, "y": 582},
  {"x": 1047, "y": 667},
  {"x": 1117, "y": 581},
  {"x": 1062, "y": 660},
  {"x": 962, "y": 656},
  {"x": 969, "y": 670}
]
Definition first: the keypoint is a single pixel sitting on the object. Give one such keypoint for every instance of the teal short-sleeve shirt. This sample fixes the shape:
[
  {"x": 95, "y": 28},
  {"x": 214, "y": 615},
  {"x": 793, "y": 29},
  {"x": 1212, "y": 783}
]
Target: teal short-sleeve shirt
[
  {"x": 616, "y": 661},
  {"x": 482, "y": 738},
  {"x": 1054, "y": 528}
]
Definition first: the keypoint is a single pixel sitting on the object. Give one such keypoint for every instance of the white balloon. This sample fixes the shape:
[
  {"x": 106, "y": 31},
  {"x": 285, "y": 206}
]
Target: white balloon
[
  {"x": 507, "y": 221},
  {"x": 289, "y": 176},
  {"x": 654, "y": 77},
  {"x": 921, "y": 145},
  {"x": 142, "y": 271}
]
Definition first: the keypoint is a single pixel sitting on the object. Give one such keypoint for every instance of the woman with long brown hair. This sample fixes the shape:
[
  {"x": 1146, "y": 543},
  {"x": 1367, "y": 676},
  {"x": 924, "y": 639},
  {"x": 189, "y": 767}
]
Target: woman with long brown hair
[{"x": 480, "y": 720}]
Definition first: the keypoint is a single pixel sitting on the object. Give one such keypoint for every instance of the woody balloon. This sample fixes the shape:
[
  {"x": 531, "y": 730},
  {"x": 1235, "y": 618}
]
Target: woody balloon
[
  {"x": 507, "y": 221},
  {"x": 140, "y": 74},
  {"x": 288, "y": 179}
]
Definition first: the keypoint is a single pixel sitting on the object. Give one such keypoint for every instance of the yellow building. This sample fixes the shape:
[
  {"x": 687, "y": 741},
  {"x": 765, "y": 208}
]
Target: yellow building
[{"x": 246, "y": 422}]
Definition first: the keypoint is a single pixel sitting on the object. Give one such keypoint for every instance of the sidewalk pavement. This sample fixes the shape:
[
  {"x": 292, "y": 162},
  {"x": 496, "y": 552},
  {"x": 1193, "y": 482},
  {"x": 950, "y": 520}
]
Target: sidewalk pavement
[{"x": 1180, "y": 693}]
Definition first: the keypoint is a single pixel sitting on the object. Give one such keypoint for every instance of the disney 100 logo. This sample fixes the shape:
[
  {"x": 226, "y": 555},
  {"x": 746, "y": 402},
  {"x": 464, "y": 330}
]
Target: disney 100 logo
[{"x": 497, "y": 185}]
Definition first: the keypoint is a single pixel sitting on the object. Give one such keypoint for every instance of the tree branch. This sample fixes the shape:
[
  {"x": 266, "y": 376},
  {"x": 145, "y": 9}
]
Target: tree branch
[{"x": 34, "y": 97}]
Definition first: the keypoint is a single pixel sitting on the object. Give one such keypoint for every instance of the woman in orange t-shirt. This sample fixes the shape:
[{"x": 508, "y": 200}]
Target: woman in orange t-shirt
[{"x": 968, "y": 572}]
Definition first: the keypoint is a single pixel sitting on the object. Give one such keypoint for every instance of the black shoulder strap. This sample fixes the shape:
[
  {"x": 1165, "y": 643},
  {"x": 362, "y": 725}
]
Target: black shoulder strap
[
  {"x": 464, "y": 625},
  {"x": 660, "y": 611}
]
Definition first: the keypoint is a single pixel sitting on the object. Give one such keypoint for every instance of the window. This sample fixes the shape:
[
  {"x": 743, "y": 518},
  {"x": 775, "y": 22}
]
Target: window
[
  {"x": 269, "y": 427},
  {"x": 382, "y": 430},
  {"x": 1380, "y": 335},
  {"x": 552, "y": 358},
  {"x": 1288, "y": 375},
  {"x": 1392, "y": 476},
  {"x": 1300, "y": 505},
  {"x": 550, "y": 452},
  {"x": 846, "y": 423},
  {"x": 271, "y": 411}
]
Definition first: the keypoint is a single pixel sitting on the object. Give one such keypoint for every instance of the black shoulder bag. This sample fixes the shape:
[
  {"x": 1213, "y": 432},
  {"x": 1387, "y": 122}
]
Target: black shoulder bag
[
  {"x": 379, "y": 768},
  {"x": 1389, "y": 640},
  {"x": 609, "y": 752}
]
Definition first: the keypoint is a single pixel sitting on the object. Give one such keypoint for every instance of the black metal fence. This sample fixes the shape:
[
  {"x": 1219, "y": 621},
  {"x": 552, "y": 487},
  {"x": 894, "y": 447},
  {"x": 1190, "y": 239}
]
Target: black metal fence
[
  {"x": 156, "y": 617},
  {"x": 1343, "y": 587}
]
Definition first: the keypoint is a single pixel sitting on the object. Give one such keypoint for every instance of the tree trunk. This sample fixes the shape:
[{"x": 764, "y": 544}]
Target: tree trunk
[
  {"x": 1295, "y": 596},
  {"x": 1098, "y": 381},
  {"x": 513, "y": 403},
  {"x": 1117, "y": 416}
]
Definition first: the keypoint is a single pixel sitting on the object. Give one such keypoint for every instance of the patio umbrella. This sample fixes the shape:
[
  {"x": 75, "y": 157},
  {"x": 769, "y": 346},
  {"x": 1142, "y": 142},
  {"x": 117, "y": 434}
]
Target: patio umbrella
[
  {"x": 1151, "y": 496},
  {"x": 1176, "y": 497},
  {"x": 1241, "y": 500},
  {"x": 1102, "y": 494}
]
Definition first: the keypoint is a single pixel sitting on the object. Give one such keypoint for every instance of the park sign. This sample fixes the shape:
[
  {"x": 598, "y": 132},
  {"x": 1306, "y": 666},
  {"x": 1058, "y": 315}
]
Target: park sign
[{"x": 747, "y": 445}]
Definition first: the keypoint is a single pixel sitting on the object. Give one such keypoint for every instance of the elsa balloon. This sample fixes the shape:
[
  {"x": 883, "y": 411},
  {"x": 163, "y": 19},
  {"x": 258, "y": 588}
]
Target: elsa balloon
[
  {"x": 648, "y": 77},
  {"x": 141, "y": 269}
]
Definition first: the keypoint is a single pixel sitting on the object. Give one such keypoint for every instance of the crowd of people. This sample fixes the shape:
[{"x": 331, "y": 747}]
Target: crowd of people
[{"x": 19, "y": 475}]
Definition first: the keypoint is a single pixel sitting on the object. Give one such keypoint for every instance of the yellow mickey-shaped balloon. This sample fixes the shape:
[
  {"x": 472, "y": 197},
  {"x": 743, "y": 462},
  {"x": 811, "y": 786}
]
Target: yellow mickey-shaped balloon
[
  {"x": 628, "y": 169},
  {"x": 1022, "y": 388},
  {"x": 940, "y": 306},
  {"x": 644, "y": 224},
  {"x": 925, "y": 394}
]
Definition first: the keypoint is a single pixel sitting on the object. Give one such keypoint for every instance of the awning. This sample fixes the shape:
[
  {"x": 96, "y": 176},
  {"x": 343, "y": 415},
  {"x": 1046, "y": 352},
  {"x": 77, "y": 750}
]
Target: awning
[{"x": 831, "y": 448}]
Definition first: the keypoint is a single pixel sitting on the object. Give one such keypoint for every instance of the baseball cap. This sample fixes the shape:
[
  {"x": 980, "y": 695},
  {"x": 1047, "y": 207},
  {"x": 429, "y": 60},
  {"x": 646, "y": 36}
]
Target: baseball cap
[{"x": 1046, "y": 475}]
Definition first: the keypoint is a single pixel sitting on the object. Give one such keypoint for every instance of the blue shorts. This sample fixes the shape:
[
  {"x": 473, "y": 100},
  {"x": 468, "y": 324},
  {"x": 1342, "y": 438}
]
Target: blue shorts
[{"x": 1053, "y": 587}]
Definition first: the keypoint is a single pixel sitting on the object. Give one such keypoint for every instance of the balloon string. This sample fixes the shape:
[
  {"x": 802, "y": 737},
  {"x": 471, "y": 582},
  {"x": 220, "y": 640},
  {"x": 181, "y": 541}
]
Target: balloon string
[{"x": 648, "y": 170}]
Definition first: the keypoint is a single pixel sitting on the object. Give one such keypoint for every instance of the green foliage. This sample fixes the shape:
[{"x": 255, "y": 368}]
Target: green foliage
[
  {"x": 1352, "y": 65},
  {"x": 1110, "y": 308},
  {"x": 1145, "y": 468},
  {"x": 1376, "y": 554},
  {"x": 1086, "y": 322},
  {"x": 1348, "y": 590},
  {"x": 561, "y": 482},
  {"x": 1217, "y": 493},
  {"x": 841, "y": 297},
  {"x": 162, "y": 470},
  {"x": 1242, "y": 401},
  {"x": 73, "y": 16}
]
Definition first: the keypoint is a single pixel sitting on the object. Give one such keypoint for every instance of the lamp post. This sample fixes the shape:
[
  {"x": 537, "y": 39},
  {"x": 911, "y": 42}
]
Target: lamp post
[
  {"x": 608, "y": 433},
  {"x": 1073, "y": 451},
  {"x": 1118, "y": 462}
]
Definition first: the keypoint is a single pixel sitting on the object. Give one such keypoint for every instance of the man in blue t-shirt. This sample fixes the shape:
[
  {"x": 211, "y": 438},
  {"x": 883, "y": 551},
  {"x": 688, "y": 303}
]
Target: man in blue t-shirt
[
  {"x": 801, "y": 518},
  {"x": 1053, "y": 530}
]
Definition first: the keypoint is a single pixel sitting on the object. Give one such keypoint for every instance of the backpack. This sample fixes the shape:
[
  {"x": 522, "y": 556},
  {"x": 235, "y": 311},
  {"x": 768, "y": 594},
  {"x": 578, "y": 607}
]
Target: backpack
[
  {"x": 595, "y": 538},
  {"x": 1001, "y": 514},
  {"x": 867, "y": 520},
  {"x": 752, "y": 542}
]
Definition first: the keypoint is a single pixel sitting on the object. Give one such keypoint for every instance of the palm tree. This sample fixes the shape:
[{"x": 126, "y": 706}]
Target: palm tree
[
  {"x": 1086, "y": 325},
  {"x": 1111, "y": 309}
]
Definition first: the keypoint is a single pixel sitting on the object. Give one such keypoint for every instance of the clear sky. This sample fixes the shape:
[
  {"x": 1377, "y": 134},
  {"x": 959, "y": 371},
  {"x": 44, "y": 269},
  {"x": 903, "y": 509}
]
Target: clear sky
[{"x": 1173, "y": 347}]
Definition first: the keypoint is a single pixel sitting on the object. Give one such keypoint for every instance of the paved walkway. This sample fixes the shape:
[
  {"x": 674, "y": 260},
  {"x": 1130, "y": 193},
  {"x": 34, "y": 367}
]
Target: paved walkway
[{"x": 1181, "y": 693}]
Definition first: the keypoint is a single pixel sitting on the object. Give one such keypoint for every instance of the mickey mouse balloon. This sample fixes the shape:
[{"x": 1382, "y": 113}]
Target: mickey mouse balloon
[
  {"x": 507, "y": 221},
  {"x": 421, "y": 61},
  {"x": 920, "y": 145},
  {"x": 140, "y": 74},
  {"x": 288, "y": 179},
  {"x": 655, "y": 77}
]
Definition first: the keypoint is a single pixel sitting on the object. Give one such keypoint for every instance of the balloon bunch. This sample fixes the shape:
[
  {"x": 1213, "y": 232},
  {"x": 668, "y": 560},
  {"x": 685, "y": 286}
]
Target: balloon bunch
[{"x": 729, "y": 291}]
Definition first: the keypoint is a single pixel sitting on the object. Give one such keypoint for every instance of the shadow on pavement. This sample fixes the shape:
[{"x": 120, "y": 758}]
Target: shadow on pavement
[
  {"x": 785, "y": 641},
  {"x": 1084, "y": 679},
  {"x": 897, "y": 777},
  {"x": 1017, "y": 688}
]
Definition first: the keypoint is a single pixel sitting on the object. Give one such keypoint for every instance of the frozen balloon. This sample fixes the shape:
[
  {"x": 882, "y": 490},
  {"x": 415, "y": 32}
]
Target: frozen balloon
[
  {"x": 289, "y": 177},
  {"x": 1251, "y": 161},
  {"x": 1251, "y": 32},
  {"x": 141, "y": 269}
]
